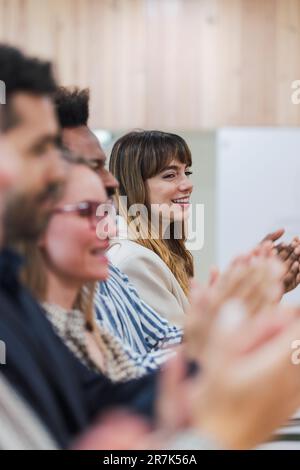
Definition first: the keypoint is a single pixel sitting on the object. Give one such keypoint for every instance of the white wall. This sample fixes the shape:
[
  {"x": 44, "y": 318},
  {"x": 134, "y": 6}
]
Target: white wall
[
  {"x": 203, "y": 148},
  {"x": 258, "y": 188}
]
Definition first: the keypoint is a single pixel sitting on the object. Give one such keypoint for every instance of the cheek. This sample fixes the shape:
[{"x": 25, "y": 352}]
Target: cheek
[
  {"x": 65, "y": 245},
  {"x": 34, "y": 182},
  {"x": 161, "y": 192},
  {"x": 67, "y": 249},
  {"x": 10, "y": 165}
]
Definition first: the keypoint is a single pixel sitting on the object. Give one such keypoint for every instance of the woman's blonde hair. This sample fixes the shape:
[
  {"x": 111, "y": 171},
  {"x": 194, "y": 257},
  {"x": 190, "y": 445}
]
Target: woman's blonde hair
[{"x": 136, "y": 157}]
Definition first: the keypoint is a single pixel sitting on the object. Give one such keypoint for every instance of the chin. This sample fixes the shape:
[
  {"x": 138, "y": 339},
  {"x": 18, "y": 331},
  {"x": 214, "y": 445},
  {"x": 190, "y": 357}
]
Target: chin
[{"x": 101, "y": 275}]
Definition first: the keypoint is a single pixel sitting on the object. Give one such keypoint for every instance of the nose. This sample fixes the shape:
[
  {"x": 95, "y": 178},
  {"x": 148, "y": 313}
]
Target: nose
[
  {"x": 186, "y": 184},
  {"x": 57, "y": 167},
  {"x": 109, "y": 181}
]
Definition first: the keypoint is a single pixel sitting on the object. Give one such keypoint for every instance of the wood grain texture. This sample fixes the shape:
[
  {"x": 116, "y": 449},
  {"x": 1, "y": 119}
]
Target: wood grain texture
[{"x": 172, "y": 64}]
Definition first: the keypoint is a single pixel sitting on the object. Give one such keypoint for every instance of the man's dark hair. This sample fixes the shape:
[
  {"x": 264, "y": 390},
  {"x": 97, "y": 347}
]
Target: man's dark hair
[
  {"x": 21, "y": 73},
  {"x": 72, "y": 106}
]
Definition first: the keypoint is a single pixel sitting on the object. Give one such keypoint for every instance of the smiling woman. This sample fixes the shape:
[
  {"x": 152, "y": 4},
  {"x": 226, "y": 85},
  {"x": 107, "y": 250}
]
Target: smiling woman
[
  {"x": 153, "y": 170},
  {"x": 169, "y": 196}
]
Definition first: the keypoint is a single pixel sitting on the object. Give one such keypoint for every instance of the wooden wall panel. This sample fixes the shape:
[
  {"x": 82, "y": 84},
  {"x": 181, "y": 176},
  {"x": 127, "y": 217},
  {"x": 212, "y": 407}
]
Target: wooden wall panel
[{"x": 178, "y": 64}]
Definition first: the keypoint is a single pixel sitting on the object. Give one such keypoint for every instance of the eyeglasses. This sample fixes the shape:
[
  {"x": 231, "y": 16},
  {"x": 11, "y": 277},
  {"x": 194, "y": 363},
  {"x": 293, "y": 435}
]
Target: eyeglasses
[{"x": 95, "y": 211}]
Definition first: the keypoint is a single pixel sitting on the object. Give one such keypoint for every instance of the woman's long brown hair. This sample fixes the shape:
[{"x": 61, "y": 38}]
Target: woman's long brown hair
[{"x": 136, "y": 157}]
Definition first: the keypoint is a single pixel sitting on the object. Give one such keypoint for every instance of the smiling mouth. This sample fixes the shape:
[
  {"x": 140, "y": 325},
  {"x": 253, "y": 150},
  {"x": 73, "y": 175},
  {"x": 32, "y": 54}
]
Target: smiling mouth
[{"x": 183, "y": 200}]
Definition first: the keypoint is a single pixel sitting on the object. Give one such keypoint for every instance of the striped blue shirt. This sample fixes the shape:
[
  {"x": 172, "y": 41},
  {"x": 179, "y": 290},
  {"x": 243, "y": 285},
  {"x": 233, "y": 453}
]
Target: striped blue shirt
[{"x": 120, "y": 309}]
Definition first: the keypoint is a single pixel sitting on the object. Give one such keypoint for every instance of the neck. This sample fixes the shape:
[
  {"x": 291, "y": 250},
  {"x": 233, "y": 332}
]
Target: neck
[{"x": 61, "y": 291}]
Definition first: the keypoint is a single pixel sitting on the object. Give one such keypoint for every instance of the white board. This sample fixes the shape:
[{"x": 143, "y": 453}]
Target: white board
[{"x": 258, "y": 188}]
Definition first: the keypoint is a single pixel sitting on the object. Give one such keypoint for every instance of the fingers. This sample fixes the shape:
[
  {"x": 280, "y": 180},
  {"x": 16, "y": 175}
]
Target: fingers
[
  {"x": 214, "y": 275},
  {"x": 295, "y": 267},
  {"x": 265, "y": 249},
  {"x": 289, "y": 254},
  {"x": 235, "y": 385},
  {"x": 198, "y": 297},
  {"x": 117, "y": 430},
  {"x": 263, "y": 328},
  {"x": 200, "y": 319},
  {"x": 263, "y": 289},
  {"x": 285, "y": 251},
  {"x": 274, "y": 235},
  {"x": 257, "y": 281},
  {"x": 258, "y": 284},
  {"x": 172, "y": 407},
  {"x": 291, "y": 279}
]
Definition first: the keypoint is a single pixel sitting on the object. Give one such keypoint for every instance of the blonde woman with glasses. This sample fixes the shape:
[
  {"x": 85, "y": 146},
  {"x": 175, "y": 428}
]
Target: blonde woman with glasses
[{"x": 64, "y": 270}]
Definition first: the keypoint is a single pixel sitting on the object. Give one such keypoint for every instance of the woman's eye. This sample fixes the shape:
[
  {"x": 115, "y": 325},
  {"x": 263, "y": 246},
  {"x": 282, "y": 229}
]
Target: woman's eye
[
  {"x": 188, "y": 173},
  {"x": 170, "y": 175}
]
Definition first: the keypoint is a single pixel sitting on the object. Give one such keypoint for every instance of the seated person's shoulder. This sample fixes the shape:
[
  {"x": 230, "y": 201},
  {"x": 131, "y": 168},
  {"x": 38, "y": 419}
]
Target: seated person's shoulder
[{"x": 128, "y": 251}]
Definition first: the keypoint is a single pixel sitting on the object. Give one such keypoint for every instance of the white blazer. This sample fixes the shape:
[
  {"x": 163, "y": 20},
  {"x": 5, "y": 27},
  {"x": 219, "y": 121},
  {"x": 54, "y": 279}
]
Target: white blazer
[{"x": 154, "y": 281}]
